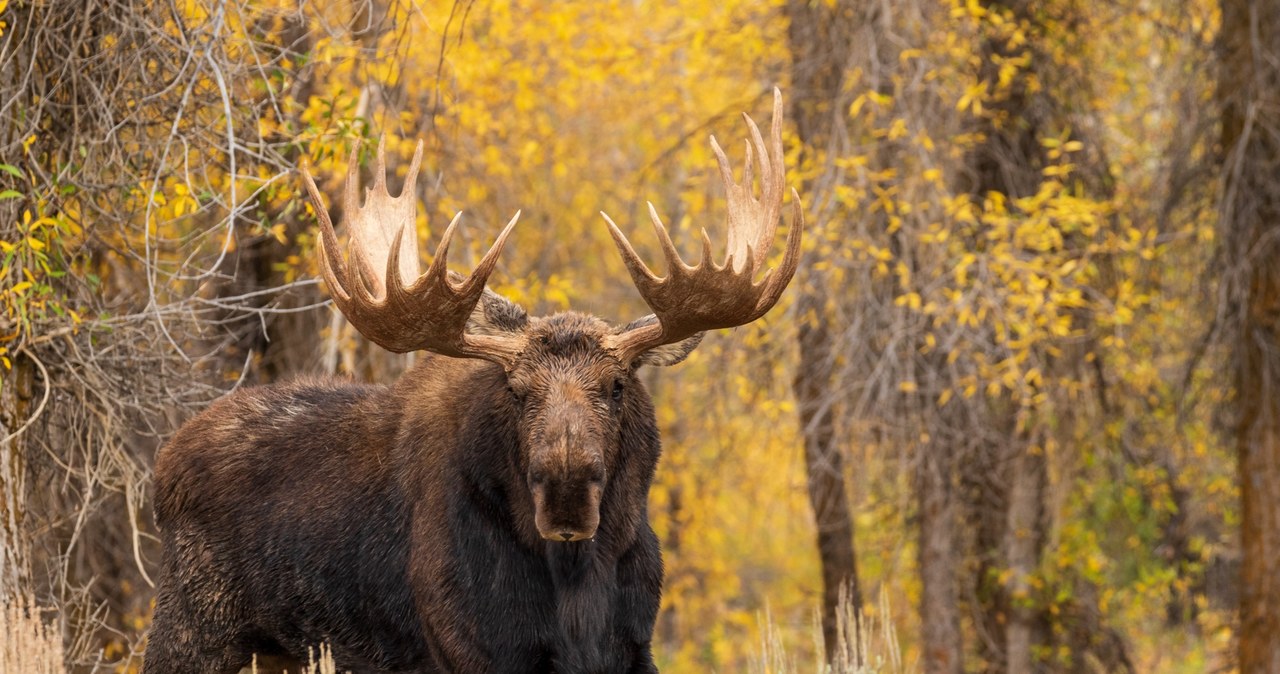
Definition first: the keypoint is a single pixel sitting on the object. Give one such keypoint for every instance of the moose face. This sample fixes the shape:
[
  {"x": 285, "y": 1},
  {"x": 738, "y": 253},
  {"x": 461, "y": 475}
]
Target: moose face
[{"x": 572, "y": 393}]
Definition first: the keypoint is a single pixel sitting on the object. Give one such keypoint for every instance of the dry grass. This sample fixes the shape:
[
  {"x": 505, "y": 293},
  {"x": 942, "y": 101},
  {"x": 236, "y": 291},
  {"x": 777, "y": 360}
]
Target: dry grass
[
  {"x": 318, "y": 662},
  {"x": 322, "y": 666},
  {"x": 34, "y": 646},
  {"x": 869, "y": 646},
  {"x": 30, "y": 645}
]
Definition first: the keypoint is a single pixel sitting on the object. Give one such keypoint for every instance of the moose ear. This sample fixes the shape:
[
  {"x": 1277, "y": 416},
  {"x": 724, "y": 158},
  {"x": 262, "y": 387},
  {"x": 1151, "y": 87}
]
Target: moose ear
[
  {"x": 495, "y": 315},
  {"x": 670, "y": 354},
  {"x": 666, "y": 354}
]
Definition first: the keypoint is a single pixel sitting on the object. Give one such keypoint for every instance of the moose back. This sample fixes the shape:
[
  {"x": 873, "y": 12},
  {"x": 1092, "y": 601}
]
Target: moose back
[{"x": 484, "y": 513}]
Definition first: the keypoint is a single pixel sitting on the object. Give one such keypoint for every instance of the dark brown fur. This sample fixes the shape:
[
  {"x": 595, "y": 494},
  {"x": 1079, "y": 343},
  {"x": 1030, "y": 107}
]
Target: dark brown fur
[{"x": 408, "y": 525}]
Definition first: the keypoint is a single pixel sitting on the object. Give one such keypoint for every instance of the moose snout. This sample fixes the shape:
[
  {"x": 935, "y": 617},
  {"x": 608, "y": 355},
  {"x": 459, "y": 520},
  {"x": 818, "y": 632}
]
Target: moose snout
[
  {"x": 566, "y": 509},
  {"x": 571, "y": 536}
]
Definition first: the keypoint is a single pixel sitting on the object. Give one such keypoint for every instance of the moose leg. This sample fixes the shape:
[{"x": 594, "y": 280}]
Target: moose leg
[
  {"x": 164, "y": 658},
  {"x": 636, "y": 605},
  {"x": 181, "y": 642}
]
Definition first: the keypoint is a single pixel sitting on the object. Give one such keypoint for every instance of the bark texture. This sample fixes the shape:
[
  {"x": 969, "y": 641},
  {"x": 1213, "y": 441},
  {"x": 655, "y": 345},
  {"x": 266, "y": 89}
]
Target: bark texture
[
  {"x": 1249, "y": 92},
  {"x": 939, "y": 560}
]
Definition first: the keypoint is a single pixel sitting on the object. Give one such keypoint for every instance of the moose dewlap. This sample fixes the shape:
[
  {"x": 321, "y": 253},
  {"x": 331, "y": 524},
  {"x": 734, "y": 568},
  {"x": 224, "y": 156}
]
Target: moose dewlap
[{"x": 486, "y": 512}]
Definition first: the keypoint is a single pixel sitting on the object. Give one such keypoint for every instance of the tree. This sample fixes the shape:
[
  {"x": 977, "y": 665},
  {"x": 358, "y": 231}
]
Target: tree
[
  {"x": 1007, "y": 374},
  {"x": 821, "y": 46},
  {"x": 1249, "y": 93},
  {"x": 121, "y": 130},
  {"x": 1006, "y": 476}
]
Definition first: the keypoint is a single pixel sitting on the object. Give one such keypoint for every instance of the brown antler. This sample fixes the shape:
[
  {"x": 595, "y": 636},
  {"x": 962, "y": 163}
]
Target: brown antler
[
  {"x": 430, "y": 314},
  {"x": 710, "y": 296}
]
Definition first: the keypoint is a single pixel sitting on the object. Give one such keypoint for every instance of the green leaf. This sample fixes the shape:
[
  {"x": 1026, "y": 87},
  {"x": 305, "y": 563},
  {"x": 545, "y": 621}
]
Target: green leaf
[
  {"x": 12, "y": 170},
  {"x": 11, "y": 194}
]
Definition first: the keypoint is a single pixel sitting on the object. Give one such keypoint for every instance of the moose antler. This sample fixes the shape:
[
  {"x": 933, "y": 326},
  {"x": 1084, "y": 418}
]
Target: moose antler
[
  {"x": 429, "y": 314},
  {"x": 708, "y": 296}
]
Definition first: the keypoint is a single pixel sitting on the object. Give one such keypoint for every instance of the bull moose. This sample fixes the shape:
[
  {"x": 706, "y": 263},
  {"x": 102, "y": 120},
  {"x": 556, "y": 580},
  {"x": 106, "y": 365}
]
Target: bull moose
[{"x": 484, "y": 513}]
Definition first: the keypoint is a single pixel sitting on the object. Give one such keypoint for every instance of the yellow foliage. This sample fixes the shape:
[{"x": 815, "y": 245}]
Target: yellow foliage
[{"x": 563, "y": 110}]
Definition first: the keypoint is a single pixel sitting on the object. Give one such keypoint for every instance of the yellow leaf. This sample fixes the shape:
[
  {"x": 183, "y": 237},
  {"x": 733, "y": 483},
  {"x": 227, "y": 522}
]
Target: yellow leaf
[
  {"x": 857, "y": 105},
  {"x": 898, "y": 129}
]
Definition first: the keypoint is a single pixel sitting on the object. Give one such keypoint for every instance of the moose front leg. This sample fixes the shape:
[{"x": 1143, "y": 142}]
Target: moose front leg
[{"x": 639, "y": 594}]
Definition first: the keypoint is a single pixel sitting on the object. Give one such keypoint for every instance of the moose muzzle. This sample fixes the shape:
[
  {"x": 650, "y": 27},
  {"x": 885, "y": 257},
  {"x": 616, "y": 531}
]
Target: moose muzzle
[{"x": 566, "y": 508}]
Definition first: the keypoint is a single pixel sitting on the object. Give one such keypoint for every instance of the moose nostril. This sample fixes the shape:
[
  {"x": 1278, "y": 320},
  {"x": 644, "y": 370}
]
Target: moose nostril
[{"x": 566, "y": 535}]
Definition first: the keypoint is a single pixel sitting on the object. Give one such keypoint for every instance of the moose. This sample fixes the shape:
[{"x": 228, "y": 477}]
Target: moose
[{"x": 487, "y": 512}]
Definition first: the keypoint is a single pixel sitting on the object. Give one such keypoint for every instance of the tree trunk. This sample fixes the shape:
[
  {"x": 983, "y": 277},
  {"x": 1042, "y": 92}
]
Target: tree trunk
[
  {"x": 1249, "y": 92},
  {"x": 820, "y": 36},
  {"x": 824, "y": 465},
  {"x": 939, "y": 560},
  {"x": 14, "y": 537},
  {"x": 1024, "y": 538}
]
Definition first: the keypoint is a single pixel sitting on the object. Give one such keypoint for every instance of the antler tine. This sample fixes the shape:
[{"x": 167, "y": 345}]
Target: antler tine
[
  {"x": 480, "y": 275},
  {"x": 438, "y": 272},
  {"x": 775, "y": 280},
  {"x": 639, "y": 271},
  {"x": 384, "y": 297},
  {"x": 351, "y": 188},
  {"x": 675, "y": 263},
  {"x": 332, "y": 266},
  {"x": 690, "y": 300},
  {"x": 440, "y": 261}
]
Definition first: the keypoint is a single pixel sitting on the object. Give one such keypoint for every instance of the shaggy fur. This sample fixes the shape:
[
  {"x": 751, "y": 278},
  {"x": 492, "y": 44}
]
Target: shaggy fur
[{"x": 410, "y": 526}]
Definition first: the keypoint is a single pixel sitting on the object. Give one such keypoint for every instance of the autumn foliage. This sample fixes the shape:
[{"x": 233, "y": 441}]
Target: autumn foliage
[{"x": 1014, "y": 255}]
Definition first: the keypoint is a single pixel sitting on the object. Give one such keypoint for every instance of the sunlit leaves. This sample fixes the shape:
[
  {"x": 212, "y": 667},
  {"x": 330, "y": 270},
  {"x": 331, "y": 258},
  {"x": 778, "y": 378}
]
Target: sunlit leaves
[{"x": 1042, "y": 304}]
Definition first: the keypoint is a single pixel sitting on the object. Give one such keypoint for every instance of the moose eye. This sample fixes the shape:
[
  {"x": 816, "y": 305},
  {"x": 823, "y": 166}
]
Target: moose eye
[
  {"x": 617, "y": 390},
  {"x": 515, "y": 395}
]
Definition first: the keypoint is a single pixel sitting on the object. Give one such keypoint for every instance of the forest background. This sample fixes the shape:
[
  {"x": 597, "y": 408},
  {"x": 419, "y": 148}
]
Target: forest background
[{"x": 1019, "y": 401}]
